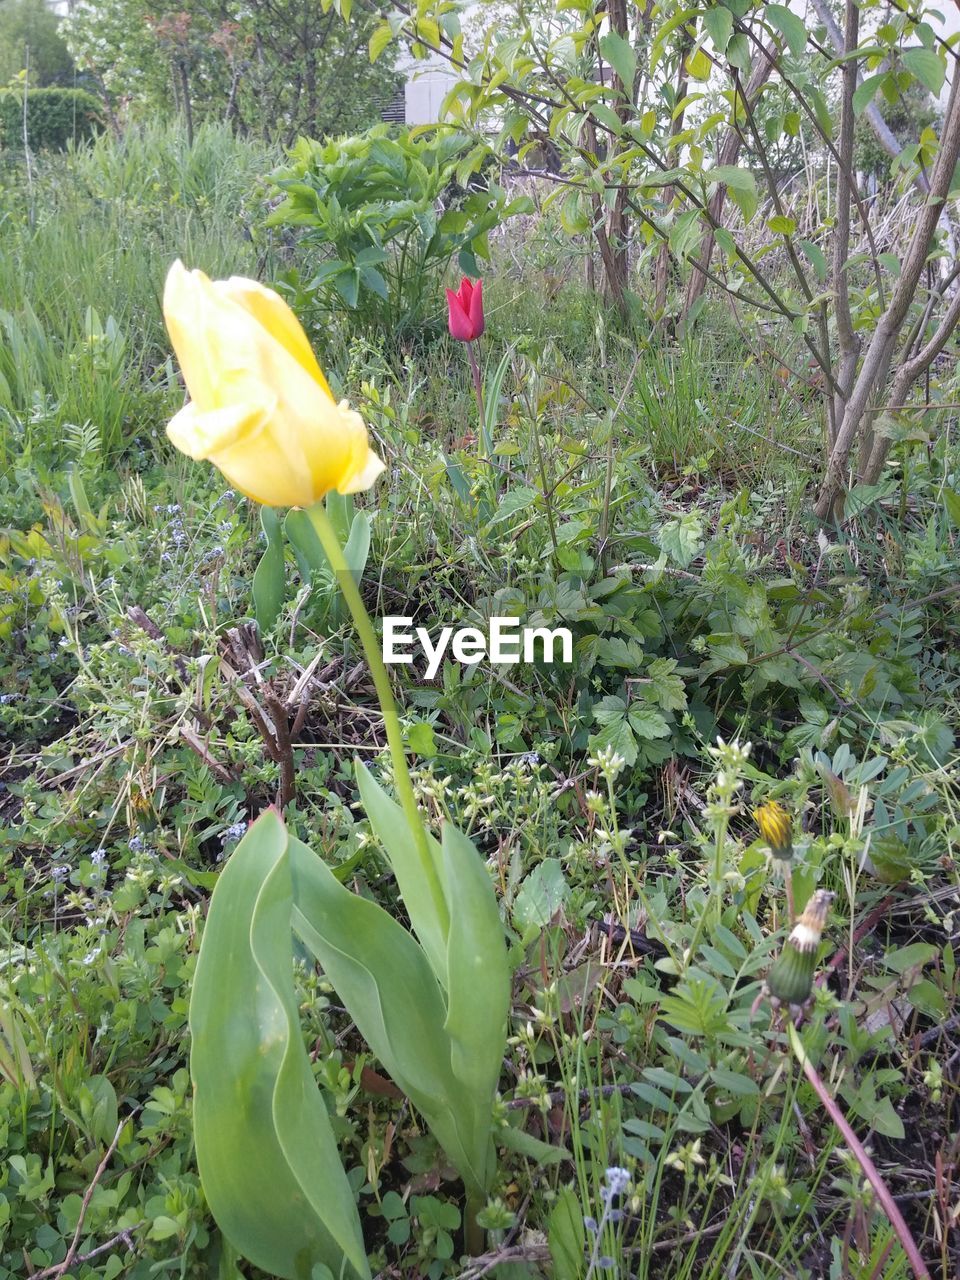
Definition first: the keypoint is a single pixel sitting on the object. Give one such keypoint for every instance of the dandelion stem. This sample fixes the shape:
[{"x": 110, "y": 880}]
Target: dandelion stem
[{"x": 887, "y": 1202}]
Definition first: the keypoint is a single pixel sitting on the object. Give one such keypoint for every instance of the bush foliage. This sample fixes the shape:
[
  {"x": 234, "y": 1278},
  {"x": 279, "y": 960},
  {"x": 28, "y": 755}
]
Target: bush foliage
[{"x": 55, "y": 117}]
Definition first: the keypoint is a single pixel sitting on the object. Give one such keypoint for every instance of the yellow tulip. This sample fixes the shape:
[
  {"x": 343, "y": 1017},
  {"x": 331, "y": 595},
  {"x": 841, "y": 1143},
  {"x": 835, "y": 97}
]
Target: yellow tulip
[{"x": 260, "y": 408}]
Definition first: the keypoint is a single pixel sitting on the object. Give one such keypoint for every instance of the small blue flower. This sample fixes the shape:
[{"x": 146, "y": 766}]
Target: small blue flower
[{"x": 617, "y": 1180}]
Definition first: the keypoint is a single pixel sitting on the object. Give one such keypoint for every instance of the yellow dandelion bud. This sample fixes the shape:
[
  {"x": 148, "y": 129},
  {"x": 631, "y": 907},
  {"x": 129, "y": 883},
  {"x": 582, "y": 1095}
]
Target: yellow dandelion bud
[{"x": 776, "y": 827}]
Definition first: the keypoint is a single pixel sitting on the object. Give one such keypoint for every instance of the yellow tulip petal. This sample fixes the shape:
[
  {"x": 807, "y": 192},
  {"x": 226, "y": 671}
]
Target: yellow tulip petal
[
  {"x": 270, "y": 310},
  {"x": 365, "y": 478},
  {"x": 184, "y": 312},
  {"x": 271, "y": 475},
  {"x": 201, "y": 434},
  {"x": 261, "y": 409}
]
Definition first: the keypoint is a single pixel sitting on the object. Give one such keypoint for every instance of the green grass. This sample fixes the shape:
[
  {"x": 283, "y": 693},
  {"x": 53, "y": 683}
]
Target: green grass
[{"x": 94, "y": 233}]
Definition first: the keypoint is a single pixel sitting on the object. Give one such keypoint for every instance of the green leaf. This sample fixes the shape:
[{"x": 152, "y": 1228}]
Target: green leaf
[
  {"x": 699, "y": 66},
  {"x": 261, "y": 1128},
  {"x": 719, "y": 26},
  {"x": 680, "y": 539},
  {"x": 421, "y": 741},
  {"x": 616, "y": 736},
  {"x": 478, "y": 985},
  {"x": 927, "y": 67},
  {"x": 385, "y": 981},
  {"x": 781, "y": 225},
  {"x": 646, "y": 722},
  {"x": 541, "y": 895},
  {"x": 311, "y": 558},
  {"x": 865, "y": 92},
  {"x": 951, "y": 500},
  {"x": 735, "y": 1083},
  {"x": 357, "y": 546},
  {"x": 269, "y": 578},
  {"x": 390, "y": 827},
  {"x": 567, "y": 1236},
  {"x": 525, "y": 1144},
  {"x": 665, "y": 688},
  {"x": 379, "y": 40},
  {"x": 621, "y": 56},
  {"x": 734, "y": 177},
  {"x": 738, "y": 52},
  {"x": 790, "y": 26},
  {"x": 815, "y": 256}
]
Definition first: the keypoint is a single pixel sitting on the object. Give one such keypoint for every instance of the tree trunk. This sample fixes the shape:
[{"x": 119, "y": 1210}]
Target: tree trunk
[
  {"x": 871, "y": 380},
  {"x": 848, "y": 341},
  {"x": 616, "y": 261}
]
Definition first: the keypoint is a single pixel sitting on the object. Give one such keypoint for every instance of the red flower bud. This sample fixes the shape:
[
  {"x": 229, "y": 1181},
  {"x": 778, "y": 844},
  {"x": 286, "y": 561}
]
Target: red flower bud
[{"x": 466, "y": 311}]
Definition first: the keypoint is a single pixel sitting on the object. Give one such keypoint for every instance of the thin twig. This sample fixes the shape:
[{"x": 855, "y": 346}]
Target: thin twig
[
  {"x": 62, "y": 1267},
  {"x": 124, "y": 1236}
]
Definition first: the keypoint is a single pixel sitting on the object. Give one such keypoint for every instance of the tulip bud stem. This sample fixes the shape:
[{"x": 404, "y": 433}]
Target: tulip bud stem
[
  {"x": 478, "y": 389},
  {"x": 371, "y": 647}
]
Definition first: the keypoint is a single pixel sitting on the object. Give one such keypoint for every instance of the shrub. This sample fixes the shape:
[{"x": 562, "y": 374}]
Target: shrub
[{"x": 54, "y": 117}]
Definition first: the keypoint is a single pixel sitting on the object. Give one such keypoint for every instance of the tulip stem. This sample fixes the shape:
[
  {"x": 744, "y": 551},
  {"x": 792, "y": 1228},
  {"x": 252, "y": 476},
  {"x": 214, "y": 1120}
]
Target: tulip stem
[
  {"x": 371, "y": 647},
  {"x": 478, "y": 388}
]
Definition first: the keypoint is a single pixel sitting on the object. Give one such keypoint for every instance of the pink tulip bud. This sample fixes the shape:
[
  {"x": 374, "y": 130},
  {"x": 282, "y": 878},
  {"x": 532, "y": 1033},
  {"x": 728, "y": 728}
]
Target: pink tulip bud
[{"x": 466, "y": 311}]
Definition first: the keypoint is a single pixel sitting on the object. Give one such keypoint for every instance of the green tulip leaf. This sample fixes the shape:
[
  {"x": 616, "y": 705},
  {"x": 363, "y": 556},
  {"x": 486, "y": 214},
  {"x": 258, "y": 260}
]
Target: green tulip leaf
[
  {"x": 267, "y": 1156},
  {"x": 306, "y": 545},
  {"x": 391, "y": 829},
  {"x": 478, "y": 980},
  {"x": 357, "y": 546},
  {"x": 269, "y": 578},
  {"x": 339, "y": 508},
  {"x": 385, "y": 981}
]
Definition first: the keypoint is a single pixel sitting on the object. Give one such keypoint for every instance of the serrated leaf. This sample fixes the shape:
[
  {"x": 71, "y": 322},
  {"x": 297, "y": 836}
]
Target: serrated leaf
[
  {"x": 927, "y": 67},
  {"x": 616, "y": 736},
  {"x": 609, "y": 709},
  {"x": 646, "y": 722},
  {"x": 719, "y": 26},
  {"x": 790, "y": 26},
  {"x": 782, "y": 225},
  {"x": 680, "y": 539},
  {"x": 665, "y": 688}
]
